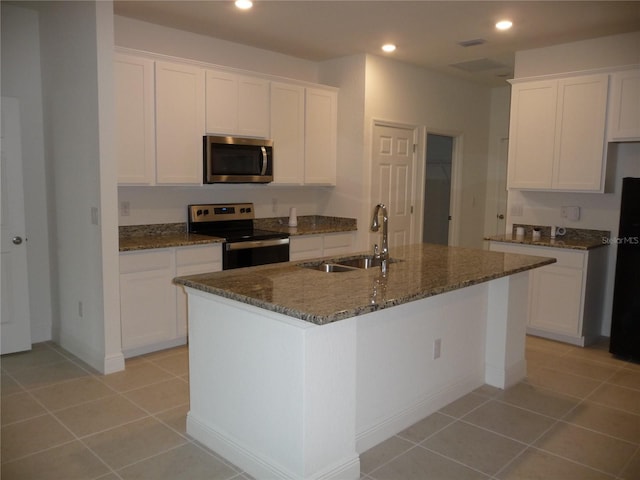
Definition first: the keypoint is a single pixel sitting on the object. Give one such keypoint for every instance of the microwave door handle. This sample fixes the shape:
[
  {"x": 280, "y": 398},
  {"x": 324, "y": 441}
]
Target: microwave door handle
[{"x": 264, "y": 161}]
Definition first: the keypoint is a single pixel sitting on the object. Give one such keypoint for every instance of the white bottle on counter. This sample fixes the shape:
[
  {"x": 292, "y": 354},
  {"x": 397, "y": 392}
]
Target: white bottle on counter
[{"x": 293, "y": 217}]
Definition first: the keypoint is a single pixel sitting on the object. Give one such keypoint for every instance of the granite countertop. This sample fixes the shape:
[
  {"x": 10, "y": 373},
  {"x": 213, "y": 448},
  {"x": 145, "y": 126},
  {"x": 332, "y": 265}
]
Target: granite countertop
[
  {"x": 165, "y": 235},
  {"x": 162, "y": 235},
  {"x": 421, "y": 271},
  {"x": 574, "y": 238},
  {"x": 307, "y": 225}
]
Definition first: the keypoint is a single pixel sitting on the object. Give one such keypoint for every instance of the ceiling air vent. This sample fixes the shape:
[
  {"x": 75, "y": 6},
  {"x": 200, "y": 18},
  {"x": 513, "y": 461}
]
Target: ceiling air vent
[{"x": 472, "y": 43}]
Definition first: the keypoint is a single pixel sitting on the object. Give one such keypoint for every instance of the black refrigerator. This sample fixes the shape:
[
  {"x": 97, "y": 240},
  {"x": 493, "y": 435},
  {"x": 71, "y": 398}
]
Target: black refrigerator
[{"x": 625, "y": 321}]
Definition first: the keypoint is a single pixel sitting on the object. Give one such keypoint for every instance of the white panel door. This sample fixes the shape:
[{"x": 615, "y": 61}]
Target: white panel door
[
  {"x": 392, "y": 182},
  {"x": 15, "y": 327}
]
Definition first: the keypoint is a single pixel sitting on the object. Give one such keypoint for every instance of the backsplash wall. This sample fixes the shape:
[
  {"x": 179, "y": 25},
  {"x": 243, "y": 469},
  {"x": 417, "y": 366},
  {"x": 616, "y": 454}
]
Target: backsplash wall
[{"x": 166, "y": 204}]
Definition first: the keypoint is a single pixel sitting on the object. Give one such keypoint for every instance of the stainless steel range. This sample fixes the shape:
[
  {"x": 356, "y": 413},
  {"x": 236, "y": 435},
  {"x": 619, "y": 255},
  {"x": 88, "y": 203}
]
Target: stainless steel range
[{"x": 244, "y": 245}]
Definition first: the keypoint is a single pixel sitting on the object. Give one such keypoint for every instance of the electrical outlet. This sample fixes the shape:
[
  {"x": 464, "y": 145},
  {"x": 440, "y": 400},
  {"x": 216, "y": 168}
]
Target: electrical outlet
[
  {"x": 125, "y": 208},
  {"x": 437, "y": 348},
  {"x": 516, "y": 210},
  {"x": 274, "y": 205},
  {"x": 570, "y": 213}
]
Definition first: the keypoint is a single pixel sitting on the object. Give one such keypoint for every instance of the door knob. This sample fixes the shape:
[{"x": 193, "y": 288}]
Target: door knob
[
  {"x": 17, "y": 240},
  {"x": 500, "y": 216}
]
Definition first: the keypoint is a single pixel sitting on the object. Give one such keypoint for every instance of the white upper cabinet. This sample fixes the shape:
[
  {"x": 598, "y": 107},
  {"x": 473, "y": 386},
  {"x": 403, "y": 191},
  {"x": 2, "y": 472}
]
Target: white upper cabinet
[
  {"x": 179, "y": 123},
  {"x": 532, "y": 132},
  {"x": 321, "y": 134},
  {"x": 304, "y": 133},
  {"x": 624, "y": 107},
  {"x": 236, "y": 104},
  {"x": 557, "y": 134},
  {"x": 135, "y": 123},
  {"x": 580, "y": 142},
  {"x": 287, "y": 133}
]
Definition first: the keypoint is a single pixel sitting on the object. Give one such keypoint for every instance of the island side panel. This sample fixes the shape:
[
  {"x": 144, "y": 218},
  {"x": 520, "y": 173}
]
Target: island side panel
[
  {"x": 399, "y": 380},
  {"x": 506, "y": 330},
  {"x": 272, "y": 394}
]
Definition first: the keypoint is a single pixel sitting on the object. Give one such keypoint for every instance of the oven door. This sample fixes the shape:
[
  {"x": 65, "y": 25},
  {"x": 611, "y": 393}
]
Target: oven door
[{"x": 254, "y": 252}]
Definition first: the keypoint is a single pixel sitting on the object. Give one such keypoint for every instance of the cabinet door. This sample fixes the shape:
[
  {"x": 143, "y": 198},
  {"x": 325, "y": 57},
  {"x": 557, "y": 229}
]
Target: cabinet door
[
  {"x": 287, "y": 133},
  {"x": 191, "y": 261},
  {"x": 532, "y": 135},
  {"x": 624, "y": 107},
  {"x": 556, "y": 300},
  {"x": 337, "y": 244},
  {"x": 179, "y": 123},
  {"x": 236, "y": 104},
  {"x": 581, "y": 121},
  {"x": 321, "y": 120},
  {"x": 147, "y": 298},
  {"x": 135, "y": 123},
  {"x": 253, "y": 107},
  {"x": 221, "y": 102}
]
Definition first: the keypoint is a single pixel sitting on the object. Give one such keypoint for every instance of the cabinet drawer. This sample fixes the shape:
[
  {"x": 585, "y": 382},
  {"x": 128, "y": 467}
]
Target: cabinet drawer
[
  {"x": 198, "y": 255},
  {"x": 564, "y": 257},
  {"x": 305, "y": 244},
  {"x": 144, "y": 261},
  {"x": 338, "y": 240}
]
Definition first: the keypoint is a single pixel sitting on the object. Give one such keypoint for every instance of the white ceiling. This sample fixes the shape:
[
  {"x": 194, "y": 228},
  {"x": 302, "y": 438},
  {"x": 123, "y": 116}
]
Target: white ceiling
[{"x": 427, "y": 33}]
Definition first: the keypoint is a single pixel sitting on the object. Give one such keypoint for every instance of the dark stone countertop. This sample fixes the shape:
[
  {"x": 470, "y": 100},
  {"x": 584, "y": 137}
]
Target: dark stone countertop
[
  {"x": 421, "y": 271},
  {"x": 574, "y": 238},
  {"x": 165, "y": 235}
]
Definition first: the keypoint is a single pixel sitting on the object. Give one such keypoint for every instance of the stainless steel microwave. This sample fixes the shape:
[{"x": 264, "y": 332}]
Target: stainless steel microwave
[{"x": 237, "y": 160}]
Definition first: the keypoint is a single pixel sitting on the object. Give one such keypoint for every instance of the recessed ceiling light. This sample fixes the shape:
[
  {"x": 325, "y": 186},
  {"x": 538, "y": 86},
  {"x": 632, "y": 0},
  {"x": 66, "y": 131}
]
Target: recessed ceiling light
[
  {"x": 504, "y": 24},
  {"x": 389, "y": 47},
  {"x": 244, "y": 4}
]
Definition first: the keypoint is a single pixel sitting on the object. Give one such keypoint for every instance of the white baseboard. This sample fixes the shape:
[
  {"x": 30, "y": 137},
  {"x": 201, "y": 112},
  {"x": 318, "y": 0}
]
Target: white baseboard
[
  {"x": 134, "y": 352},
  {"x": 256, "y": 464}
]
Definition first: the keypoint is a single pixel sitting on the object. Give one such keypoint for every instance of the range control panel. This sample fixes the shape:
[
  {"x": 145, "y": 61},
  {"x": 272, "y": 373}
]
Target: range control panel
[{"x": 219, "y": 212}]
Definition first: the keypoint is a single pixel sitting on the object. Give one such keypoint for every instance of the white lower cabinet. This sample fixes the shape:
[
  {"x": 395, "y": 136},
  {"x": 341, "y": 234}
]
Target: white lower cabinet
[
  {"x": 153, "y": 311},
  {"x": 566, "y": 298},
  {"x": 191, "y": 261},
  {"x": 313, "y": 246}
]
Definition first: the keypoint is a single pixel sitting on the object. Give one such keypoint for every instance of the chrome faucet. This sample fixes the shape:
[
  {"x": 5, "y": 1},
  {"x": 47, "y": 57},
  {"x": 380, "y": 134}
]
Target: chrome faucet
[{"x": 382, "y": 255}]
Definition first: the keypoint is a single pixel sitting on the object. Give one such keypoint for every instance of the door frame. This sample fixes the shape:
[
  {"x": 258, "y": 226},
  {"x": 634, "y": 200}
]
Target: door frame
[{"x": 418, "y": 141}]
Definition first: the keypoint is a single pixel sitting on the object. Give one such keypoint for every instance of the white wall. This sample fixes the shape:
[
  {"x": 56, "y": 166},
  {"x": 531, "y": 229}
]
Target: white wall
[
  {"x": 595, "y": 53},
  {"x": 406, "y": 94},
  {"x": 76, "y": 42},
  {"x": 21, "y": 79},
  {"x": 598, "y": 211},
  {"x": 350, "y": 193},
  {"x": 140, "y": 35},
  {"x": 496, "y": 168}
]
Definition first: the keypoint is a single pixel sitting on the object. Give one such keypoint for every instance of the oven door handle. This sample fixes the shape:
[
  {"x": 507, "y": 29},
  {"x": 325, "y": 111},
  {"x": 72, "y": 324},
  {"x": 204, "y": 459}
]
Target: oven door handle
[
  {"x": 263, "y": 172},
  {"x": 256, "y": 244}
]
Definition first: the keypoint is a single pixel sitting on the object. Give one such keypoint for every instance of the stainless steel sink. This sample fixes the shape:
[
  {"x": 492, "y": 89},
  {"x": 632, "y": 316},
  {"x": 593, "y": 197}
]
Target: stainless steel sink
[
  {"x": 362, "y": 262},
  {"x": 330, "y": 267},
  {"x": 346, "y": 265}
]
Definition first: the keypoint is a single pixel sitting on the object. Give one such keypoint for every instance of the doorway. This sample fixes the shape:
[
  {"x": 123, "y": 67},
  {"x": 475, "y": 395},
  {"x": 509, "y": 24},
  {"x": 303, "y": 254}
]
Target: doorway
[{"x": 437, "y": 189}]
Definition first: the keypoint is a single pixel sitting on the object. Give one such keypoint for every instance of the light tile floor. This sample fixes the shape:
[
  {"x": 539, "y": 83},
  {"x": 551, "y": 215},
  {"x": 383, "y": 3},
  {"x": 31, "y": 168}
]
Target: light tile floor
[{"x": 577, "y": 416}]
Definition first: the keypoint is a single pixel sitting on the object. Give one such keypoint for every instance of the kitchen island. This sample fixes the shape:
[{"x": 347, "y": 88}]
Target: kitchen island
[{"x": 295, "y": 371}]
